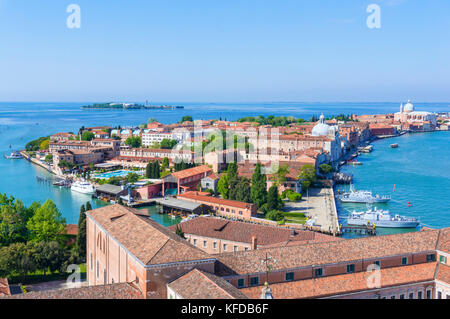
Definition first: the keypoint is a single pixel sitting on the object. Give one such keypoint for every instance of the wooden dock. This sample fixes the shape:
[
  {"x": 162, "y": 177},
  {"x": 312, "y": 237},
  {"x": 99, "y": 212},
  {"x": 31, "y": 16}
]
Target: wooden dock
[{"x": 369, "y": 230}]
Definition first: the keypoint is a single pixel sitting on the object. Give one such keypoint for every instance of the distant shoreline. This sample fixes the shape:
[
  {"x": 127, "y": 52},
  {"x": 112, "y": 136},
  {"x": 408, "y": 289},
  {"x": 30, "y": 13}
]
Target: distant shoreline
[{"x": 130, "y": 106}]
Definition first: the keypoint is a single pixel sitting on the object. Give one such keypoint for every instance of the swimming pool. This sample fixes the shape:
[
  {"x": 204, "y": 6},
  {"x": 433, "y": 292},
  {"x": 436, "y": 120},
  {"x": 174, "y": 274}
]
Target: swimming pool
[{"x": 120, "y": 173}]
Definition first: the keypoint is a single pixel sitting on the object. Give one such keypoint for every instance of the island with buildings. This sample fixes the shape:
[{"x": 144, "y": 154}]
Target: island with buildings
[
  {"x": 130, "y": 106},
  {"x": 238, "y": 190}
]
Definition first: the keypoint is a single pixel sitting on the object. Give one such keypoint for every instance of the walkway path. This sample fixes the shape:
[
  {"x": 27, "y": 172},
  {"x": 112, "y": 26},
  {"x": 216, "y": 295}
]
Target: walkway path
[{"x": 320, "y": 206}]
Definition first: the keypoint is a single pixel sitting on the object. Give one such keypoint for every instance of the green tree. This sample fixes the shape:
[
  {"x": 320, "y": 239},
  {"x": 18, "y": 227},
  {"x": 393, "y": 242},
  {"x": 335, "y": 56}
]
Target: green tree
[
  {"x": 275, "y": 215},
  {"x": 179, "y": 231},
  {"x": 241, "y": 192},
  {"x": 280, "y": 175},
  {"x": 88, "y": 206},
  {"x": 325, "y": 169},
  {"x": 134, "y": 141},
  {"x": 46, "y": 224},
  {"x": 149, "y": 170},
  {"x": 156, "y": 170},
  {"x": 274, "y": 201},
  {"x": 16, "y": 259},
  {"x": 132, "y": 178},
  {"x": 186, "y": 118},
  {"x": 168, "y": 143},
  {"x": 258, "y": 191},
  {"x": 165, "y": 163},
  {"x": 223, "y": 187},
  {"x": 12, "y": 224},
  {"x": 50, "y": 256},
  {"x": 81, "y": 236},
  {"x": 307, "y": 175},
  {"x": 49, "y": 158},
  {"x": 44, "y": 145},
  {"x": 87, "y": 136}
]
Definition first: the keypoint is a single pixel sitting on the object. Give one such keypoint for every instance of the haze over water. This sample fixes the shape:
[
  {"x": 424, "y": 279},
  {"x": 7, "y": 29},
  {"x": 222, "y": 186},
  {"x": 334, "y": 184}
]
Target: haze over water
[{"x": 420, "y": 167}]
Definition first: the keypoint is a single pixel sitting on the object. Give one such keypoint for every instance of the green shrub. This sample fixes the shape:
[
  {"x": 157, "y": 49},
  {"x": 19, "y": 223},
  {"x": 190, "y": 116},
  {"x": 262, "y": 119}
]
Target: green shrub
[{"x": 275, "y": 215}]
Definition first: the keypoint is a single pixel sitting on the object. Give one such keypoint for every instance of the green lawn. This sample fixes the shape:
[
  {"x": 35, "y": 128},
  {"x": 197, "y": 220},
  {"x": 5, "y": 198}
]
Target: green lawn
[
  {"x": 295, "y": 218},
  {"x": 38, "y": 276}
]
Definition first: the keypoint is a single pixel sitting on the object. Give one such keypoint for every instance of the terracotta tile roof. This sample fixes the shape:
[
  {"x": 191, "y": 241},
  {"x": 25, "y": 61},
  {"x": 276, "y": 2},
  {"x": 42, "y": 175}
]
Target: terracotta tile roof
[
  {"x": 215, "y": 200},
  {"x": 329, "y": 252},
  {"x": 197, "y": 284},
  {"x": 150, "y": 242},
  {"x": 444, "y": 240},
  {"x": 4, "y": 287},
  {"x": 113, "y": 291},
  {"x": 72, "y": 229},
  {"x": 443, "y": 273},
  {"x": 341, "y": 284},
  {"x": 214, "y": 227},
  {"x": 192, "y": 171}
]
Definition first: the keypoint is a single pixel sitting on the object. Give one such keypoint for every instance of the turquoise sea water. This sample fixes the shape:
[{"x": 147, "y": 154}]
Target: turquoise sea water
[
  {"x": 420, "y": 171},
  {"x": 22, "y": 122}
]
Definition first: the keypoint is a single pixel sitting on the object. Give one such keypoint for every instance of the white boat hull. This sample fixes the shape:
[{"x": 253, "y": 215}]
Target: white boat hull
[
  {"x": 383, "y": 223},
  {"x": 347, "y": 200},
  {"x": 83, "y": 190}
]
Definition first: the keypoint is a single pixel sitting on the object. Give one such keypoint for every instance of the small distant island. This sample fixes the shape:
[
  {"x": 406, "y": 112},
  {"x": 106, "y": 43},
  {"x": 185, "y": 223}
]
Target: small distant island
[{"x": 129, "y": 106}]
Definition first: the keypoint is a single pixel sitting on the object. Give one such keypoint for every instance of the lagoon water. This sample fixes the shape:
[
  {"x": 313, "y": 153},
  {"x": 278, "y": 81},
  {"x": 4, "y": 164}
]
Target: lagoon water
[
  {"x": 419, "y": 168},
  {"x": 418, "y": 172}
]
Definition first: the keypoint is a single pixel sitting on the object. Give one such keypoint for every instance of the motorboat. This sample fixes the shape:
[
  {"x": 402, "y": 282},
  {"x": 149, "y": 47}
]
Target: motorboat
[
  {"x": 381, "y": 218},
  {"x": 82, "y": 187},
  {"x": 362, "y": 196}
]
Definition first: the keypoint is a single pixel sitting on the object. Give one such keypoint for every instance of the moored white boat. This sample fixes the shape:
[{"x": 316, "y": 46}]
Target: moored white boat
[
  {"x": 13, "y": 155},
  {"x": 381, "y": 218},
  {"x": 82, "y": 187},
  {"x": 354, "y": 196}
]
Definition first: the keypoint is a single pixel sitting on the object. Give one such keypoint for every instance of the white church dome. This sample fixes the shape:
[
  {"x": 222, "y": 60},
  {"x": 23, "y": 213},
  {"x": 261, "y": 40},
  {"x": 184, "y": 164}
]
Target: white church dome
[
  {"x": 321, "y": 129},
  {"x": 408, "y": 107}
]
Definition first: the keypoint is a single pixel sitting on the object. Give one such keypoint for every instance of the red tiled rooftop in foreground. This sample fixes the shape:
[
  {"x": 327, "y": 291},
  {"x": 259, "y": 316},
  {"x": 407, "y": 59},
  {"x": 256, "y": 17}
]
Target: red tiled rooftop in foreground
[
  {"x": 113, "y": 291},
  {"x": 243, "y": 232},
  {"x": 72, "y": 229},
  {"x": 215, "y": 200},
  {"x": 4, "y": 287},
  {"x": 197, "y": 284},
  {"x": 330, "y": 252},
  {"x": 348, "y": 283},
  {"x": 147, "y": 240},
  {"x": 443, "y": 273}
]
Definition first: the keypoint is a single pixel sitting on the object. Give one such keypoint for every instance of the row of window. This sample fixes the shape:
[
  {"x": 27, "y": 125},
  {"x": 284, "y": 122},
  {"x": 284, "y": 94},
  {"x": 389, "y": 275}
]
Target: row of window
[
  {"x": 411, "y": 295},
  {"x": 254, "y": 281},
  {"x": 227, "y": 210},
  {"x": 224, "y": 246}
]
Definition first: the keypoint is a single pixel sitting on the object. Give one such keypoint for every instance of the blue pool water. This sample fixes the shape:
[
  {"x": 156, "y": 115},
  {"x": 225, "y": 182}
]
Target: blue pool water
[{"x": 120, "y": 173}]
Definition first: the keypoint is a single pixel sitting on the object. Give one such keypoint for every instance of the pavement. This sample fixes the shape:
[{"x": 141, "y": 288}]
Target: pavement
[
  {"x": 318, "y": 205},
  {"x": 49, "y": 285}
]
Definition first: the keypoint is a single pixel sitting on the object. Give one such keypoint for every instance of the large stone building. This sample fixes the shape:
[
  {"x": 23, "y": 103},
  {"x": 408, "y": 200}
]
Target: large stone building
[{"x": 409, "y": 115}]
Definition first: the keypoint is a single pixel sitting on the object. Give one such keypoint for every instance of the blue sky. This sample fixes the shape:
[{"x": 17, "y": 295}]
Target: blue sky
[{"x": 230, "y": 50}]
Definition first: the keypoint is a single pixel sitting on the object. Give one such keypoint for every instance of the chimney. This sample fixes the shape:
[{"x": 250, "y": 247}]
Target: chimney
[{"x": 254, "y": 243}]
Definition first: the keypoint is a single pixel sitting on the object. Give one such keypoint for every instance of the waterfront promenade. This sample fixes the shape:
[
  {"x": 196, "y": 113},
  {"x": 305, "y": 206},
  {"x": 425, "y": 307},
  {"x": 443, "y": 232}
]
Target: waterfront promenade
[{"x": 319, "y": 205}]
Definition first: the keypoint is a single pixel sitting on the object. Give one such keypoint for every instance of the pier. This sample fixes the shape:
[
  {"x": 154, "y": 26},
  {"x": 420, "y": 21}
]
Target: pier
[
  {"x": 320, "y": 206},
  {"x": 368, "y": 230}
]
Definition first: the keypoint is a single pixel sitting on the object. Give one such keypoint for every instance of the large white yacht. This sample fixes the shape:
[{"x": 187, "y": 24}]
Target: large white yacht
[
  {"x": 354, "y": 196},
  {"x": 381, "y": 218},
  {"x": 83, "y": 187}
]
